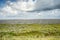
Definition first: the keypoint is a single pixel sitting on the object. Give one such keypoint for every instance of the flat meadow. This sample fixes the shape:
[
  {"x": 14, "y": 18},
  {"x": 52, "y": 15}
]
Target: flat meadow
[{"x": 29, "y": 31}]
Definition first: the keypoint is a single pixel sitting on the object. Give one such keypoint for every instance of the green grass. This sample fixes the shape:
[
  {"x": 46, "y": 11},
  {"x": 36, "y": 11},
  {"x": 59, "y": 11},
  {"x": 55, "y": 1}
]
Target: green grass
[{"x": 30, "y": 31}]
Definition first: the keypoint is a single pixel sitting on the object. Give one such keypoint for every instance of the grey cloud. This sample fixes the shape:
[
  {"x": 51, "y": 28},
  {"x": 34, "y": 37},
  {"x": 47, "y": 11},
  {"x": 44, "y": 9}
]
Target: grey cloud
[{"x": 47, "y": 5}]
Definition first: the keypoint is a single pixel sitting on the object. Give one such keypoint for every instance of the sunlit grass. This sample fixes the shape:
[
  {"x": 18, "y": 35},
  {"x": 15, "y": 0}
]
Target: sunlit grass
[{"x": 30, "y": 31}]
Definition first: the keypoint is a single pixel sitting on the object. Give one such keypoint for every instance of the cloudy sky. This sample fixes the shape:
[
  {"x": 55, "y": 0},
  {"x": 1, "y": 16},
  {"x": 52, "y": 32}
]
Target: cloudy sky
[{"x": 41, "y": 9}]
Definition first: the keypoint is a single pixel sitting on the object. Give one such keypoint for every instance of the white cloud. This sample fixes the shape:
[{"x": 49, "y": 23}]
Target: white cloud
[
  {"x": 14, "y": 9},
  {"x": 8, "y": 11}
]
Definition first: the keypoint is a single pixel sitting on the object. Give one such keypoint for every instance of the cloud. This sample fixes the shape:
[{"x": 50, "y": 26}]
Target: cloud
[
  {"x": 14, "y": 9},
  {"x": 10, "y": 8},
  {"x": 47, "y": 5}
]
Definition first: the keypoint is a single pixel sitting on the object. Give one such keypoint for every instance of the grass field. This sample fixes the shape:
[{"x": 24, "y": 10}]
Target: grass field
[{"x": 29, "y": 31}]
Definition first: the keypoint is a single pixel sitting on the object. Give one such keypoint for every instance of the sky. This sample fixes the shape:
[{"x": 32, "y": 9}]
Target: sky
[{"x": 41, "y": 9}]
